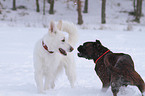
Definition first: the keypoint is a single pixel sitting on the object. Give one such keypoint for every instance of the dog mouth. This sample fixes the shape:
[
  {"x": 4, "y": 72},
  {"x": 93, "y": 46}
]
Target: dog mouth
[
  {"x": 63, "y": 52},
  {"x": 80, "y": 54},
  {"x": 83, "y": 55}
]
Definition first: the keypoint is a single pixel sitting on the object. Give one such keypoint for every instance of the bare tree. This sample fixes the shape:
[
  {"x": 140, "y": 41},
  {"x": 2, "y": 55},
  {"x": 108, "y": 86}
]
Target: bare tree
[
  {"x": 37, "y": 6},
  {"x": 43, "y": 7},
  {"x": 1, "y": 6},
  {"x": 48, "y": 1},
  {"x": 51, "y": 10},
  {"x": 14, "y": 5},
  {"x": 138, "y": 12},
  {"x": 134, "y": 5},
  {"x": 80, "y": 19},
  {"x": 86, "y": 7},
  {"x": 103, "y": 13}
]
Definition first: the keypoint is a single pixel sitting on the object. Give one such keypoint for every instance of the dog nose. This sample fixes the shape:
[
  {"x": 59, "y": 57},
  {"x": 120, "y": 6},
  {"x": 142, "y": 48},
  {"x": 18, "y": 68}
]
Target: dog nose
[{"x": 71, "y": 49}]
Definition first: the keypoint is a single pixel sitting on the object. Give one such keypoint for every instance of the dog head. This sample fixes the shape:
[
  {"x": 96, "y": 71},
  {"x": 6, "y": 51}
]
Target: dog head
[
  {"x": 91, "y": 50},
  {"x": 56, "y": 40}
]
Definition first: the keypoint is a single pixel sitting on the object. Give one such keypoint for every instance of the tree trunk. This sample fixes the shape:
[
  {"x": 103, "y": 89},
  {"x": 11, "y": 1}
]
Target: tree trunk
[
  {"x": 14, "y": 5},
  {"x": 49, "y": 1},
  {"x": 86, "y": 7},
  {"x": 138, "y": 11},
  {"x": 37, "y": 6},
  {"x": 140, "y": 8},
  {"x": 103, "y": 14},
  {"x": 43, "y": 7},
  {"x": 80, "y": 19},
  {"x": 134, "y": 5},
  {"x": 51, "y": 10}
]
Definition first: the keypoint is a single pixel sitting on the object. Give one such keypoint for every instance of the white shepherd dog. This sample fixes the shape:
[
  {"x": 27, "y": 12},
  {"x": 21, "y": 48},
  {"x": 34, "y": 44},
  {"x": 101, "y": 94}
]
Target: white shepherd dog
[{"x": 52, "y": 53}]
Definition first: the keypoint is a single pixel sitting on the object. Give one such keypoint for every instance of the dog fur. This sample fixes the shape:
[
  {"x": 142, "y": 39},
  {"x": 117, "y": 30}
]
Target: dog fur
[
  {"x": 115, "y": 69},
  {"x": 48, "y": 64}
]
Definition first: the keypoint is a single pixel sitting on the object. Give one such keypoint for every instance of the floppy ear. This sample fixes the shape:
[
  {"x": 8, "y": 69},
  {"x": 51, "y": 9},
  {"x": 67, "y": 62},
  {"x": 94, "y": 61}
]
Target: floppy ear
[
  {"x": 59, "y": 25},
  {"x": 52, "y": 26}
]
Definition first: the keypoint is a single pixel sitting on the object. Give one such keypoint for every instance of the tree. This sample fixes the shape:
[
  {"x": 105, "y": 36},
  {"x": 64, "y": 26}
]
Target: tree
[
  {"x": 48, "y": 1},
  {"x": 134, "y": 5},
  {"x": 37, "y": 6},
  {"x": 1, "y": 6},
  {"x": 43, "y": 7},
  {"x": 103, "y": 13},
  {"x": 138, "y": 12},
  {"x": 86, "y": 7},
  {"x": 14, "y": 5},
  {"x": 51, "y": 10},
  {"x": 80, "y": 19}
]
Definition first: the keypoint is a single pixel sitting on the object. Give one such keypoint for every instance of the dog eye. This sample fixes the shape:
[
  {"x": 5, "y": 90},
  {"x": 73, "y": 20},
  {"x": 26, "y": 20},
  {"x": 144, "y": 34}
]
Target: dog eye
[{"x": 63, "y": 40}]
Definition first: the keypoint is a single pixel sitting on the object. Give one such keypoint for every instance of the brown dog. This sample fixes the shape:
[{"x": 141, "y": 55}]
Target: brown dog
[{"x": 115, "y": 69}]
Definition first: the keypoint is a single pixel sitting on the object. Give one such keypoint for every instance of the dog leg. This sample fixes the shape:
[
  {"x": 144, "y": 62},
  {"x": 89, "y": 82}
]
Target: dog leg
[
  {"x": 49, "y": 82},
  {"x": 70, "y": 70},
  {"x": 52, "y": 85},
  {"x": 70, "y": 75},
  {"x": 116, "y": 83},
  {"x": 39, "y": 81},
  {"x": 115, "y": 88},
  {"x": 105, "y": 87},
  {"x": 46, "y": 82},
  {"x": 143, "y": 94}
]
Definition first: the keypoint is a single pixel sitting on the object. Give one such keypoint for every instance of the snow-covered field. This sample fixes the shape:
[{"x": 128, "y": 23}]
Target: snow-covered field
[
  {"x": 19, "y": 31},
  {"x": 16, "y": 65}
]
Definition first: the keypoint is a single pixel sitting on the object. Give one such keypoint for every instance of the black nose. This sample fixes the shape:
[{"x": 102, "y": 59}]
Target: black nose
[{"x": 71, "y": 49}]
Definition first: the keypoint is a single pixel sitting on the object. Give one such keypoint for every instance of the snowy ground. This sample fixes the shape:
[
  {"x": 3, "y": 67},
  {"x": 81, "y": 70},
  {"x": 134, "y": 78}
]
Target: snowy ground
[
  {"x": 19, "y": 31},
  {"x": 16, "y": 65}
]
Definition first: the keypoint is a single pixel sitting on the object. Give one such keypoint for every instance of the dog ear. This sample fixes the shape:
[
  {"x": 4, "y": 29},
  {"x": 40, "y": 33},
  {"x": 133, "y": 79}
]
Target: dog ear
[
  {"x": 59, "y": 25},
  {"x": 98, "y": 43},
  {"x": 52, "y": 27}
]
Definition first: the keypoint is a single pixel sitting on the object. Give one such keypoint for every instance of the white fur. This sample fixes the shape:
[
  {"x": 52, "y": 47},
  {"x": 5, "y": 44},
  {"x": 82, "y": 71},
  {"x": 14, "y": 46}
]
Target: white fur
[{"x": 48, "y": 65}]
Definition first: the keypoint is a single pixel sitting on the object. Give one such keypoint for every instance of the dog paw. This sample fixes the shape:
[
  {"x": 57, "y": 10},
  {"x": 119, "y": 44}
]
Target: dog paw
[
  {"x": 72, "y": 85},
  {"x": 41, "y": 92},
  {"x": 52, "y": 86},
  {"x": 143, "y": 94}
]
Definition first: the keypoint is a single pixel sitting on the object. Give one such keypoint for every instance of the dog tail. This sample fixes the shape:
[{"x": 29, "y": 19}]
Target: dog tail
[{"x": 71, "y": 29}]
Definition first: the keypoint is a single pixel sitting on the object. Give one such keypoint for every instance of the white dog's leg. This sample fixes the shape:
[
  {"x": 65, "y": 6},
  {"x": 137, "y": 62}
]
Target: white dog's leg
[
  {"x": 39, "y": 81},
  {"x": 57, "y": 72},
  {"x": 47, "y": 82},
  {"x": 70, "y": 70}
]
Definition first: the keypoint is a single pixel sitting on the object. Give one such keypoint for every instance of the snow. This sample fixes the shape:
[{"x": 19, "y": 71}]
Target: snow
[
  {"x": 16, "y": 65},
  {"x": 19, "y": 31}
]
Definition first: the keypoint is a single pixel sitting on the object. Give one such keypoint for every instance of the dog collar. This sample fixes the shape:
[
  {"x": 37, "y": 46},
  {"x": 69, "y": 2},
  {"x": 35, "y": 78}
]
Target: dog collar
[
  {"x": 45, "y": 47},
  {"x": 102, "y": 56}
]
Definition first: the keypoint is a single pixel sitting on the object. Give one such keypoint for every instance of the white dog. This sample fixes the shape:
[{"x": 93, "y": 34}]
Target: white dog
[{"x": 52, "y": 53}]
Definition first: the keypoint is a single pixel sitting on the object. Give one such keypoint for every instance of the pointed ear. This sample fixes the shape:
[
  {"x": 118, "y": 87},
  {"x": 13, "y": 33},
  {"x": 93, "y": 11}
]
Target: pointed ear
[
  {"x": 59, "y": 25},
  {"x": 98, "y": 43},
  {"x": 52, "y": 26}
]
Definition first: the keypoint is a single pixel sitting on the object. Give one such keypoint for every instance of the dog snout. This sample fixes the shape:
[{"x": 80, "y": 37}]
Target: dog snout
[
  {"x": 71, "y": 49},
  {"x": 80, "y": 48}
]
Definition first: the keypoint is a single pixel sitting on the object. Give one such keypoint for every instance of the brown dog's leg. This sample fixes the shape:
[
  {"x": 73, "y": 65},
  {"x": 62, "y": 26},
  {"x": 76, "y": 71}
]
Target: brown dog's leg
[
  {"x": 137, "y": 81},
  {"x": 116, "y": 83},
  {"x": 105, "y": 87}
]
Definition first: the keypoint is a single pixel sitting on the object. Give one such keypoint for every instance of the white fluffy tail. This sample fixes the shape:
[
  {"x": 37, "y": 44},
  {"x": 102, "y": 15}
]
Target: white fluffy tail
[{"x": 71, "y": 29}]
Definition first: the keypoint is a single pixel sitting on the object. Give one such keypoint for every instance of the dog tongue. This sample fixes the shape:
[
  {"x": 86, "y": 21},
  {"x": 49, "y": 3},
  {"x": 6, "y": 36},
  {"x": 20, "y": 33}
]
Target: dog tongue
[{"x": 62, "y": 51}]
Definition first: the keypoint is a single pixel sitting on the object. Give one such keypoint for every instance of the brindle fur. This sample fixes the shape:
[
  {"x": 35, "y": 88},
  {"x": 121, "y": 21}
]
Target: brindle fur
[{"x": 115, "y": 69}]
